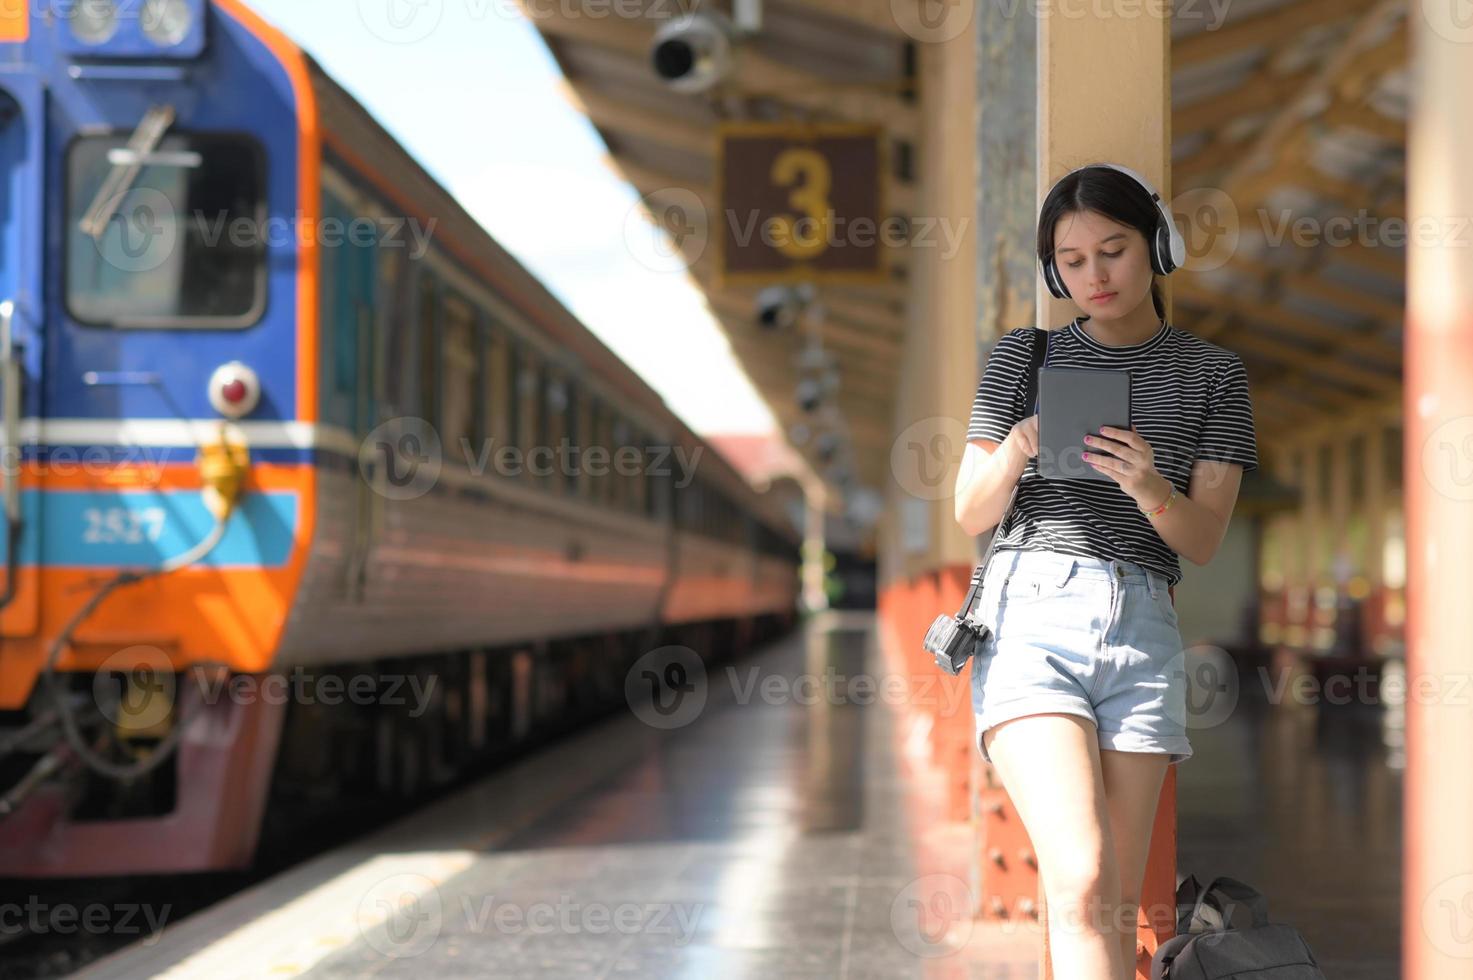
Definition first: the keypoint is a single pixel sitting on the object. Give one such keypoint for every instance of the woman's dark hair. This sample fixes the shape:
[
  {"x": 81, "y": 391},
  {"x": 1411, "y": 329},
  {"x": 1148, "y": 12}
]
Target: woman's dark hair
[{"x": 1109, "y": 192}]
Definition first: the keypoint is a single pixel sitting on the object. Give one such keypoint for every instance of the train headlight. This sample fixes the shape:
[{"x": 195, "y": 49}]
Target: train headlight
[
  {"x": 121, "y": 29},
  {"x": 234, "y": 390},
  {"x": 167, "y": 22},
  {"x": 95, "y": 22}
]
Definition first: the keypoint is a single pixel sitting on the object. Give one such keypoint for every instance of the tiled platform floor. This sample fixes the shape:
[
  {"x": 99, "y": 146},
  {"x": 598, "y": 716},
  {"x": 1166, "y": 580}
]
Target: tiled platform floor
[{"x": 775, "y": 836}]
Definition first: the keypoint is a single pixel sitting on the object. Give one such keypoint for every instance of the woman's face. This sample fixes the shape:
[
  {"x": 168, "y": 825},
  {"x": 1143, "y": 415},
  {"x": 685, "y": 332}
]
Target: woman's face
[{"x": 1105, "y": 264}]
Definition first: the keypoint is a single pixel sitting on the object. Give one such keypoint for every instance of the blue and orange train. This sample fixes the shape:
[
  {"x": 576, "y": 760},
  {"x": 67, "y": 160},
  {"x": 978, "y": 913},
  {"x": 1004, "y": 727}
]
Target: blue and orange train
[{"x": 252, "y": 357}]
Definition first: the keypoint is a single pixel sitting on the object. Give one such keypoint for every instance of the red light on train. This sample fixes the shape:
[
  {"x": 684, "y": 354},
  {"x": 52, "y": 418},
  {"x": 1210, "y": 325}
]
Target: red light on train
[{"x": 234, "y": 390}]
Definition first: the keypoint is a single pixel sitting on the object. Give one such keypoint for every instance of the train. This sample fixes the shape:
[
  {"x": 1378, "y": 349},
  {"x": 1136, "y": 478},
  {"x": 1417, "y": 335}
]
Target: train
[{"x": 278, "y": 415}]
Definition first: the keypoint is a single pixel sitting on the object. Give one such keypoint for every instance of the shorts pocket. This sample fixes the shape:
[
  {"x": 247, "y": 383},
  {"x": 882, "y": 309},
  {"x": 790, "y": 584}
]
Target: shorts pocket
[
  {"x": 1168, "y": 608},
  {"x": 1023, "y": 587}
]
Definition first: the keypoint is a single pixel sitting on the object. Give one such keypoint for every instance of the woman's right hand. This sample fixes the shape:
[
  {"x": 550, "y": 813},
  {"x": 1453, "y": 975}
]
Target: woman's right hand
[{"x": 1024, "y": 437}]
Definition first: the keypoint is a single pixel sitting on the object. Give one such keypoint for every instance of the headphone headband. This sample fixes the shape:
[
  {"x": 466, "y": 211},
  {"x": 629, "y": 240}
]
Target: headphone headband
[{"x": 1167, "y": 247}]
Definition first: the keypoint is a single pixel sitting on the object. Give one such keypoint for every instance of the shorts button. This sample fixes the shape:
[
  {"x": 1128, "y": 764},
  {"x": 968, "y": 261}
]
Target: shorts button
[{"x": 1119, "y": 572}]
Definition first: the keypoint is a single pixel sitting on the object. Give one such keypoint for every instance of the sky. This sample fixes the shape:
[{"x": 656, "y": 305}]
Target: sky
[{"x": 468, "y": 87}]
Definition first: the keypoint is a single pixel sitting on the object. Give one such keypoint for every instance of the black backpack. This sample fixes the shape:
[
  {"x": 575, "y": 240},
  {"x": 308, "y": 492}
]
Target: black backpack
[{"x": 1206, "y": 947}]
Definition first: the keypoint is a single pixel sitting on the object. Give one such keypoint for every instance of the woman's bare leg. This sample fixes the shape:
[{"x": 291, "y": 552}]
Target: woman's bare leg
[
  {"x": 1132, "y": 791},
  {"x": 1050, "y": 766}
]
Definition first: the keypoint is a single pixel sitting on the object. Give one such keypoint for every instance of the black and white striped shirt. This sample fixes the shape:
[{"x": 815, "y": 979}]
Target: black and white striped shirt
[{"x": 1188, "y": 399}]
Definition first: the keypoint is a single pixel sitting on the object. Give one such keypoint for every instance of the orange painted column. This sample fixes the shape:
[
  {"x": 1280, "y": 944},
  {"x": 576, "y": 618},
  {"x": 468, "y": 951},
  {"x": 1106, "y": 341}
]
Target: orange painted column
[{"x": 1437, "y": 881}]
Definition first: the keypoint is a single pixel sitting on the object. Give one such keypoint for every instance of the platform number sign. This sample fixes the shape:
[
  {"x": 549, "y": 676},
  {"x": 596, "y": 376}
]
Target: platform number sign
[{"x": 799, "y": 201}]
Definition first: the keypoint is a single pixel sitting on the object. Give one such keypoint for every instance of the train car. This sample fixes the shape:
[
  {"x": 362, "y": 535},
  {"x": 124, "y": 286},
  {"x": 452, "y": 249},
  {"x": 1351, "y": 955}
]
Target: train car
[{"x": 281, "y": 420}]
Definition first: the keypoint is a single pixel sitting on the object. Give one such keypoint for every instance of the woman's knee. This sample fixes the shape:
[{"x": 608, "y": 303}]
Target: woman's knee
[{"x": 1079, "y": 879}]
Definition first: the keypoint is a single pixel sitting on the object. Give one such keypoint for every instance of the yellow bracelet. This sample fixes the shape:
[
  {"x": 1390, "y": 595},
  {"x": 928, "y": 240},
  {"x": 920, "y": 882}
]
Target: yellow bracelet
[{"x": 1170, "y": 499}]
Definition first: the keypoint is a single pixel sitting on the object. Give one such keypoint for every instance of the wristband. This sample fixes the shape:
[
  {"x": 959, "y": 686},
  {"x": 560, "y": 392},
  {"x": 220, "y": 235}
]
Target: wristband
[{"x": 1170, "y": 499}]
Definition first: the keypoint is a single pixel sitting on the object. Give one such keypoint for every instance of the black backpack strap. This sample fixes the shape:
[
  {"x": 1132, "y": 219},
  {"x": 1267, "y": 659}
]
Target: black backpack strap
[{"x": 1038, "y": 357}]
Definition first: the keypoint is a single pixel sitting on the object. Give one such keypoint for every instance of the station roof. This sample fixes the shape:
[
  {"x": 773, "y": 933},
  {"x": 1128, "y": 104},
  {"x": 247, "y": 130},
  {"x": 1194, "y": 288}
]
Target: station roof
[{"x": 1290, "y": 108}]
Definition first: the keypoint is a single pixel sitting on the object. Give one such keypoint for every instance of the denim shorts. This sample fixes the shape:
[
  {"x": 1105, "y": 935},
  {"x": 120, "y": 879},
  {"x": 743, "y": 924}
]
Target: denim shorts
[{"x": 1093, "y": 637}]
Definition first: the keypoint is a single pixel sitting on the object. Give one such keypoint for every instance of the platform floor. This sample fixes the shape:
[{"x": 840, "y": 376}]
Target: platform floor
[{"x": 780, "y": 838}]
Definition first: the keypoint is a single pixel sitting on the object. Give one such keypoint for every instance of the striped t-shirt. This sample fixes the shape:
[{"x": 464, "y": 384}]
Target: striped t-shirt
[{"x": 1188, "y": 399}]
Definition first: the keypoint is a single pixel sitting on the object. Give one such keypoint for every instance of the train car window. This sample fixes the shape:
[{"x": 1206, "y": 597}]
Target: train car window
[
  {"x": 186, "y": 245},
  {"x": 343, "y": 279},
  {"x": 640, "y": 477},
  {"x": 599, "y": 465},
  {"x": 426, "y": 325},
  {"x": 533, "y": 418},
  {"x": 328, "y": 299},
  {"x": 513, "y": 394},
  {"x": 620, "y": 458},
  {"x": 584, "y": 429},
  {"x": 557, "y": 429},
  {"x": 662, "y": 478},
  {"x": 688, "y": 506},
  {"x": 461, "y": 369},
  {"x": 393, "y": 327},
  {"x": 680, "y": 506},
  {"x": 500, "y": 406},
  {"x": 573, "y": 462}
]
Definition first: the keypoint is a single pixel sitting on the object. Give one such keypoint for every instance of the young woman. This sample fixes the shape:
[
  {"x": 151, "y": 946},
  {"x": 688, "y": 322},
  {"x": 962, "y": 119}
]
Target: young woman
[{"x": 1079, "y": 694}]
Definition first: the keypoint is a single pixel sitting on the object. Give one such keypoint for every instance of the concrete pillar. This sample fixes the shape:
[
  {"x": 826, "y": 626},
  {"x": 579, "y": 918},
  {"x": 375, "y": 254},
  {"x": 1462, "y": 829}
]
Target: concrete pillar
[
  {"x": 935, "y": 386},
  {"x": 815, "y": 513},
  {"x": 1104, "y": 93},
  {"x": 1438, "y": 405}
]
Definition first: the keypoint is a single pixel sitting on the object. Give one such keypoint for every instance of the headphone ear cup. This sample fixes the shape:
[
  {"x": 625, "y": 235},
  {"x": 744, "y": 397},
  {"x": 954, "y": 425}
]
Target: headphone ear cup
[
  {"x": 1052, "y": 278},
  {"x": 1176, "y": 246},
  {"x": 1168, "y": 243}
]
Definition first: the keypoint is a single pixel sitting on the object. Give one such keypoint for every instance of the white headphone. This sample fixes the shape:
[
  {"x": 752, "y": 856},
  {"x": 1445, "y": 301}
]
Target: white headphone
[{"x": 1168, "y": 248}]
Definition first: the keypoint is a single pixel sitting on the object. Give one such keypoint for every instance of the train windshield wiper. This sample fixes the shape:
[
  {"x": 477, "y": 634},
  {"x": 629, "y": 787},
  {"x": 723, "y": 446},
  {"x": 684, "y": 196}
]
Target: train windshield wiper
[{"x": 125, "y": 170}]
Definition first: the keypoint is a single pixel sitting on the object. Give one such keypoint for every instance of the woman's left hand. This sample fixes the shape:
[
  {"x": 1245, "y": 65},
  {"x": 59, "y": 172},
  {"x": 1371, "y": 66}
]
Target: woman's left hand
[{"x": 1126, "y": 458}]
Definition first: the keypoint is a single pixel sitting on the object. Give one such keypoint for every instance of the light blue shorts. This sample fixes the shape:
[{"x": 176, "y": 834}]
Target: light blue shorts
[{"x": 1092, "y": 637}]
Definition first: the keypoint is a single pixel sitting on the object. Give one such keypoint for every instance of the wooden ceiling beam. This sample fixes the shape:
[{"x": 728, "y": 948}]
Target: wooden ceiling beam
[
  {"x": 1354, "y": 300},
  {"x": 1193, "y": 290},
  {"x": 856, "y": 413},
  {"x": 649, "y": 180},
  {"x": 1388, "y": 262},
  {"x": 1272, "y": 28},
  {"x": 882, "y": 319},
  {"x": 1341, "y": 65},
  {"x": 1283, "y": 143},
  {"x": 1260, "y": 93},
  {"x": 613, "y": 114},
  {"x": 877, "y": 306},
  {"x": 679, "y": 134},
  {"x": 1372, "y": 382},
  {"x": 877, "y": 15},
  {"x": 754, "y": 73},
  {"x": 860, "y": 348}
]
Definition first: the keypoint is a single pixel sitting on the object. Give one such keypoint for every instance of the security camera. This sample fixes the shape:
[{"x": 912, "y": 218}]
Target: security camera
[
  {"x": 827, "y": 447},
  {"x": 810, "y": 394},
  {"x": 779, "y": 307},
  {"x": 693, "y": 52}
]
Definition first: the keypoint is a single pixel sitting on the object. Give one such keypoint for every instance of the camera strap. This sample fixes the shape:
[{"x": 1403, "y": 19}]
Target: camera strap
[{"x": 1038, "y": 357}]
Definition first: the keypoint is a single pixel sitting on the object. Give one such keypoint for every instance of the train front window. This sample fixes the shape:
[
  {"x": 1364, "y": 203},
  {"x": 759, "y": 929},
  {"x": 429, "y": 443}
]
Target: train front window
[{"x": 185, "y": 245}]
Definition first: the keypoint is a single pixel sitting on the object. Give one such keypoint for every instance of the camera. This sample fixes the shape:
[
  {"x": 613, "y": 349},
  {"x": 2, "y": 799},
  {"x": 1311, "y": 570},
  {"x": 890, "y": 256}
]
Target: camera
[{"x": 951, "y": 641}]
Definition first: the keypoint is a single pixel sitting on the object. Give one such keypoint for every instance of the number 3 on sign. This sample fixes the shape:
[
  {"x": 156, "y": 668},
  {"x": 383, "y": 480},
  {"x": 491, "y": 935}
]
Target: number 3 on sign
[
  {"x": 811, "y": 197},
  {"x": 120, "y": 525}
]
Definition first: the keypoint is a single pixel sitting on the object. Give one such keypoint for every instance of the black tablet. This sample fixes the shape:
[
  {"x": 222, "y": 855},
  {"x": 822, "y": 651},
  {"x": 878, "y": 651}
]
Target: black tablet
[{"x": 1074, "y": 403}]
